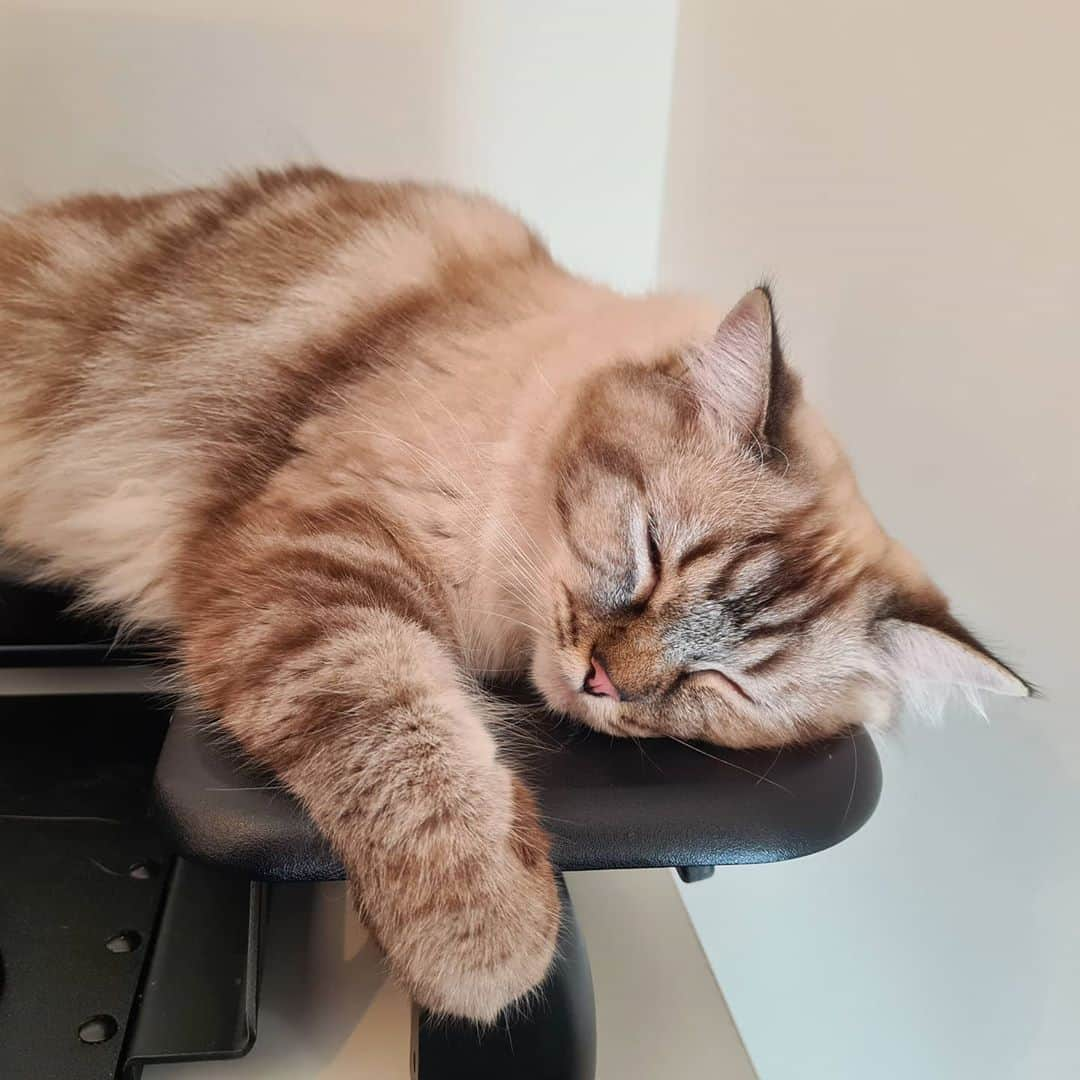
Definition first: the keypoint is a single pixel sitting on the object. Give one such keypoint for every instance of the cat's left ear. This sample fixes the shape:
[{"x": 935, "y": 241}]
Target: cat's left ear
[
  {"x": 741, "y": 372},
  {"x": 928, "y": 654}
]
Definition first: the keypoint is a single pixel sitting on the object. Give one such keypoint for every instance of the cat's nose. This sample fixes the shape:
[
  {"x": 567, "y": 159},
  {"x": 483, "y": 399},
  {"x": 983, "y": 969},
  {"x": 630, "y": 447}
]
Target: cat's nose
[{"x": 598, "y": 682}]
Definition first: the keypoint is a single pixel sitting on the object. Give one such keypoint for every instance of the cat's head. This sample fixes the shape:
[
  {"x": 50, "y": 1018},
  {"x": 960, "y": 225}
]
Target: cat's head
[{"x": 715, "y": 572}]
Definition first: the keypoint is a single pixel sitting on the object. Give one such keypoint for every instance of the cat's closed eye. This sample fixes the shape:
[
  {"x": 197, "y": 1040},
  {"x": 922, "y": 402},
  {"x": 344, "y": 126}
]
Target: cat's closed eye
[
  {"x": 711, "y": 678},
  {"x": 719, "y": 680},
  {"x": 649, "y": 565},
  {"x": 655, "y": 558}
]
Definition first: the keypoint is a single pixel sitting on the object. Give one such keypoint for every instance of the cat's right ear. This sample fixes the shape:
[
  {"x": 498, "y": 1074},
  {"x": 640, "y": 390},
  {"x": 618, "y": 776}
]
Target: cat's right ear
[{"x": 741, "y": 375}]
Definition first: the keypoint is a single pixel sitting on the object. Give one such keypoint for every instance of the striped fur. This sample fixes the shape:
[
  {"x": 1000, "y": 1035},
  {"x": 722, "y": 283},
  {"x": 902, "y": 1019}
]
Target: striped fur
[{"x": 358, "y": 446}]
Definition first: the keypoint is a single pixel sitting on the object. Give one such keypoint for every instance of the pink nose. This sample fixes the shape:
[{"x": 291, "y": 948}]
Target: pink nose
[{"x": 598, "y": 682}]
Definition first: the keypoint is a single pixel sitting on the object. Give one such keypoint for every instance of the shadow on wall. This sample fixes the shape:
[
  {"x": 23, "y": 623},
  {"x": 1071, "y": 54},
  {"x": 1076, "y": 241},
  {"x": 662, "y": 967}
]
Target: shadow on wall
[{"x": 132, "y": 101}]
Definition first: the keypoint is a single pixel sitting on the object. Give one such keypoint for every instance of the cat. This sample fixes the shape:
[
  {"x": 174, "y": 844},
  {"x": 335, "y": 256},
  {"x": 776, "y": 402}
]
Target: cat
[{"x": 358, "y": 446}]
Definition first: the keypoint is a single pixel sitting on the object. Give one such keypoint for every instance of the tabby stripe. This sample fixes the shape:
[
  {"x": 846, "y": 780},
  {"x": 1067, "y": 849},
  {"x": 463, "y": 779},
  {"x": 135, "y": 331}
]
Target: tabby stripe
[
  {"x": 163, "y": 260},
  {"x": 305, "y": 386},
  {"x": 262, "y": 665},
  {"x": 753, "y": 548},
  {"x": 371, "y": 588},
  {"x": 357, "y": 522},
  {"x": 703, "y": 549},
  {"x": 573, "y": 630},
  {"x": 315, "y": 721},
  {"x": 617, "y": 460},
  {"x": 338, "y": 581},
  {"x": 798, "y": 624},
  {"x": 316, "y": 376}
]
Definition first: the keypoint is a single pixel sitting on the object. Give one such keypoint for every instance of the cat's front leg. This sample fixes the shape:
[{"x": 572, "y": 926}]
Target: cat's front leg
[{"x": 333, "y": 674}]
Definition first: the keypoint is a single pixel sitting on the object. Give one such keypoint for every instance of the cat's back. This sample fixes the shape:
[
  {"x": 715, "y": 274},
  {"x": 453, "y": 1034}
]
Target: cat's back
[
  {"x": 190, "y": 312},
  {"x": 160, "y": 354},
  {"x": 158, "y": 270}
]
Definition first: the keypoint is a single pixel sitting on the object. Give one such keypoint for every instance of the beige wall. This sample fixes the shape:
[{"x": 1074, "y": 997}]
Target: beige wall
[
  {"x": 908, "y": 173},
  {"x": 559, "y": 108}
]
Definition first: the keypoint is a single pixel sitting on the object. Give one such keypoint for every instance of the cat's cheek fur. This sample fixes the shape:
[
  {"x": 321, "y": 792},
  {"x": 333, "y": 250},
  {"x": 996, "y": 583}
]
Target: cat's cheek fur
[{"x": 549, "y": 678}]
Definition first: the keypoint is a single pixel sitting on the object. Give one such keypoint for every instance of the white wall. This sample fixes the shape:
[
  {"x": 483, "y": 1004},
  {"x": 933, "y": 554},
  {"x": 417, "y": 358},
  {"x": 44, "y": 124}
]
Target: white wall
[
  {"x": 909, "y": 172},
  {"x": 558, "y": 108}
]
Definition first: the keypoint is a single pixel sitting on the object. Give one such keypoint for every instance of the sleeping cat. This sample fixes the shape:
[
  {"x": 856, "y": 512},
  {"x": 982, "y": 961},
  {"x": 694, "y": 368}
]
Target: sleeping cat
[{"x": 358, "y": 446}]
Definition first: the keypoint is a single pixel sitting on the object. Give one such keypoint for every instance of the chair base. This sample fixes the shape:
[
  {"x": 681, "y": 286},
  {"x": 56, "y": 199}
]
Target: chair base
[{"x": 82, "y": 880}]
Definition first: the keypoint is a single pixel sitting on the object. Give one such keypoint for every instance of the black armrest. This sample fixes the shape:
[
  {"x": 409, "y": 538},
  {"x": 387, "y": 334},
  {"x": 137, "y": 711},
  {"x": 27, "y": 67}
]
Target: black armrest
[
  {"x": 608, "y": 803},
  {"x": 39, "y": 629}
]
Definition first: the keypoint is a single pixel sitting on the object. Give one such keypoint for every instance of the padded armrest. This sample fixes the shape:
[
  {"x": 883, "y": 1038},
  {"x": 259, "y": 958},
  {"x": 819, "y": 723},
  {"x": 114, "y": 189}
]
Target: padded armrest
[{"x": 608, "y": 803}]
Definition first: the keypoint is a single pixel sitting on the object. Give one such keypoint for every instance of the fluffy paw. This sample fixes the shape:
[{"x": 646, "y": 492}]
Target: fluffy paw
[{"x": 471, "y": 932}]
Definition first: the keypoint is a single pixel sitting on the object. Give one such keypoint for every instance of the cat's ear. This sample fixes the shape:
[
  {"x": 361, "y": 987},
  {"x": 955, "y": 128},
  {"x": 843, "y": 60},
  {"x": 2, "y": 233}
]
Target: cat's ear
[
  {"x": 734, "y": 370},
  {"x": 741, "y": 373},
  {"x": 927, "y": 654}
]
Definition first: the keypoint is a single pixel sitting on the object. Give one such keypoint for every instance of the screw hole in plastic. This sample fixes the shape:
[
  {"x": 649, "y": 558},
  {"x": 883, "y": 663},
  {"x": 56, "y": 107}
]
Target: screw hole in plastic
[
  {"x": 97, "y": 1029},
  {"x": 126, "y": 941}
]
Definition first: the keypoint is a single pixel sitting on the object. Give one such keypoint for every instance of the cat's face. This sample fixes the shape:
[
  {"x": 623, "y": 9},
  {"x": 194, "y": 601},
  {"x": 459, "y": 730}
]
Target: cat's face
[{"x": 715, "y": 573}]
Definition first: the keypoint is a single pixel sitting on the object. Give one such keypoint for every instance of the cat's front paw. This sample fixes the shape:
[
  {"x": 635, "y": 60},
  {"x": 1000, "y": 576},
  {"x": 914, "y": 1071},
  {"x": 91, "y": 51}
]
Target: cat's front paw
[{"x": 475, "y": 934}]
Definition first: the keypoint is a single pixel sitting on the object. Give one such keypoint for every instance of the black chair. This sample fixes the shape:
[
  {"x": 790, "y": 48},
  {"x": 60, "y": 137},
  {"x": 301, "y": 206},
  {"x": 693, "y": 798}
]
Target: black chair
[{"x": 220, "y": 831}]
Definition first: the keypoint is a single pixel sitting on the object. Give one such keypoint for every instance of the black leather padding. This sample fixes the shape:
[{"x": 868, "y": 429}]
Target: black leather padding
[
  {"x": 40, "y": 628},
  {"x": 608, "y": 803}
]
